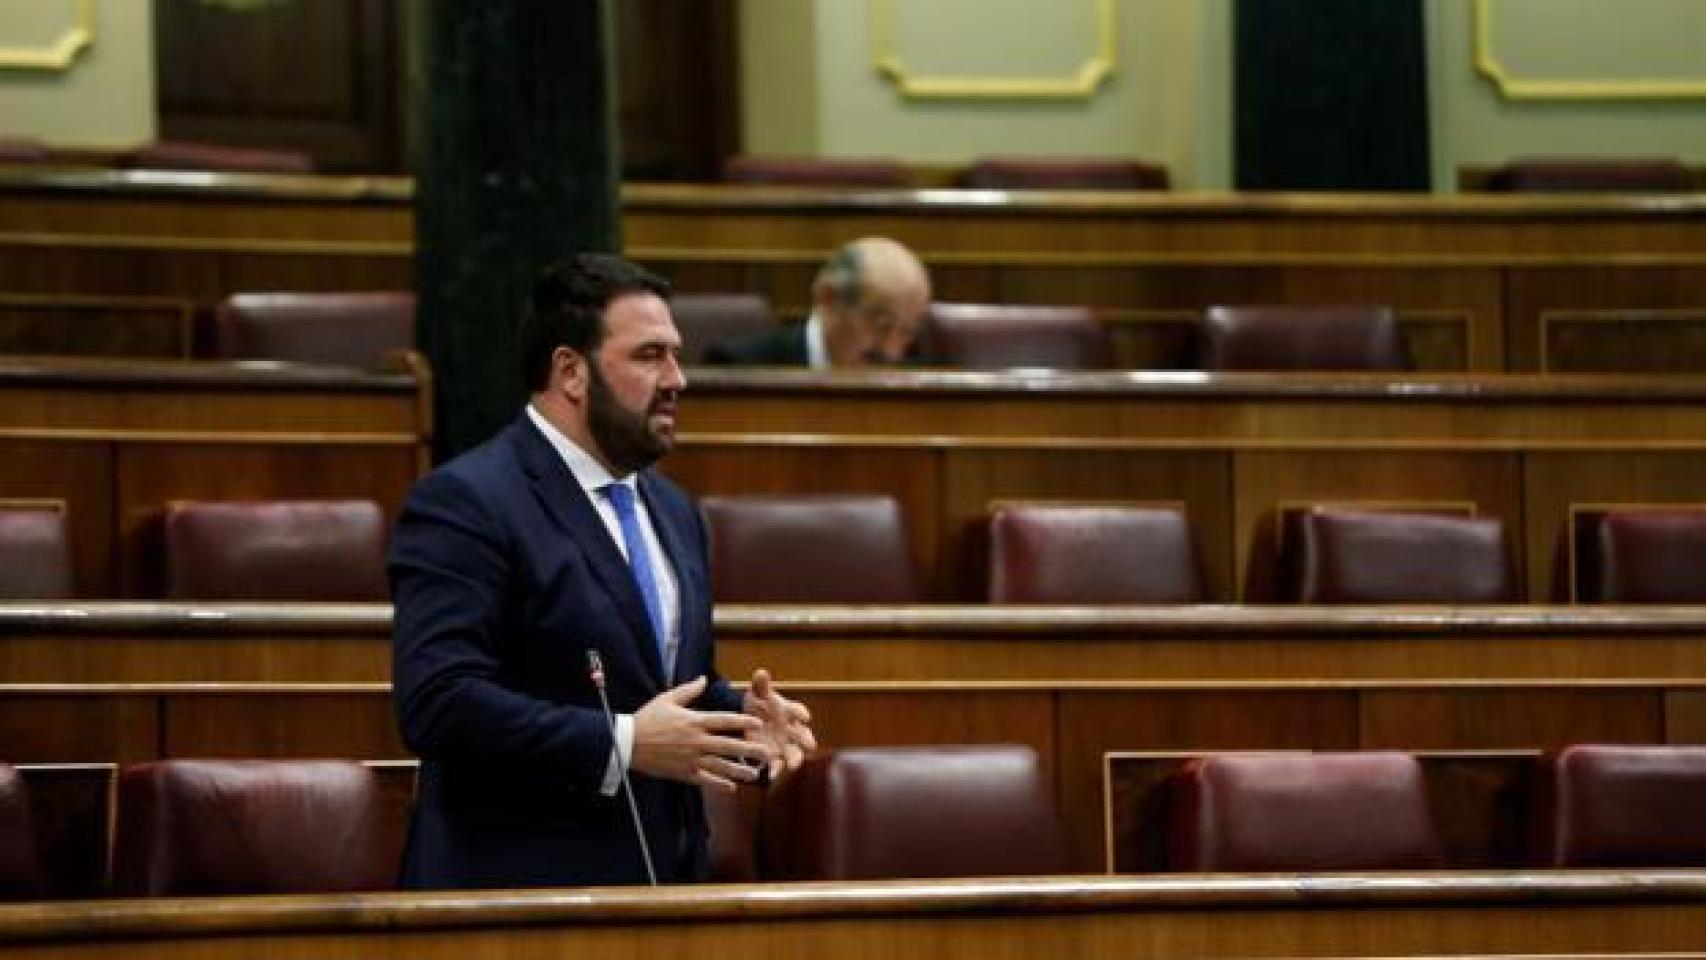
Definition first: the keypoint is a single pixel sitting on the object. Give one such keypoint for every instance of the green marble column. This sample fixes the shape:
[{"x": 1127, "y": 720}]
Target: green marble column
[{"x": 517, "y": 166}]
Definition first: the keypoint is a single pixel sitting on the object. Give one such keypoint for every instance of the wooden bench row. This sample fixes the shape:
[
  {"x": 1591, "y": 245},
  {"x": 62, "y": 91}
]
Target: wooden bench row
[
  {"x": 118, "y": 441},
  {"x": 127, "y": 683},
  {"x": 1479, "y": 282}
]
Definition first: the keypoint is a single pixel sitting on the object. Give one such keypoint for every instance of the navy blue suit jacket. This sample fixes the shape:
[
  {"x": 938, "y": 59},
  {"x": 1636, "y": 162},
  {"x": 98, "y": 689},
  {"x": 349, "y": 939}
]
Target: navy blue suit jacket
[{"x": 503, "y": 577}]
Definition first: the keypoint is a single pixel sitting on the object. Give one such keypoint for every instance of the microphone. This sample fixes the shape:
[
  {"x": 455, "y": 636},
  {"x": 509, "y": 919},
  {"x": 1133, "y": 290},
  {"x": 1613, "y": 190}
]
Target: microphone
[{"x": 595, "y": 670}]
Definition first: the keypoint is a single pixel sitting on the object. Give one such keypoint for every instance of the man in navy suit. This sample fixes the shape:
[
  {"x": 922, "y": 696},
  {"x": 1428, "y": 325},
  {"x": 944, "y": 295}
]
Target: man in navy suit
[{"x": 512, "y": 562}]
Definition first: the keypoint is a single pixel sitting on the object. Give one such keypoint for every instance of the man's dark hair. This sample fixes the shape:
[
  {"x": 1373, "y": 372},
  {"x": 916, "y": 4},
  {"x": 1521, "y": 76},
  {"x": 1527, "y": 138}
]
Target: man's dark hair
[{"x": 568, "y": 308}]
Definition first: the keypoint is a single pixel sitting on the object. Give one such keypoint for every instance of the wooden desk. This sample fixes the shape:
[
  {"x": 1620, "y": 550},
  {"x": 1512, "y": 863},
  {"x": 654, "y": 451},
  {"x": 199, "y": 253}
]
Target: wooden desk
[
  {"x": 1588, "y": 914},
  {"x": 1231, "y": 448},
  {"x": 124, "y": 683},
  {"x": 1479, "y": 282},
  {"x": 117, "y": 440}
]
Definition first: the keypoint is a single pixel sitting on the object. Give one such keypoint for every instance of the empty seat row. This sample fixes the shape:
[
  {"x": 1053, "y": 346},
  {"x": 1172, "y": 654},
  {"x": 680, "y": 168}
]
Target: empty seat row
[
  {"x": 986, "y": 336},
  {"x": 203, "y": 827},
  {"x": 358, "y": 328},
  {"x": 984, "y": 811},
  {"x": 1593, "y": 805},
  {"x": 824, "y": 548},
  {"x": 331, "y": 550},
  {"x": 853, "y": 548}
]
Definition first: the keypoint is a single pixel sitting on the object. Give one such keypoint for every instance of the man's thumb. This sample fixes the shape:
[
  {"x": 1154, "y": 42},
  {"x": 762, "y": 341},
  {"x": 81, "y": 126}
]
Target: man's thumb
[{"x": 687, "y": 692}]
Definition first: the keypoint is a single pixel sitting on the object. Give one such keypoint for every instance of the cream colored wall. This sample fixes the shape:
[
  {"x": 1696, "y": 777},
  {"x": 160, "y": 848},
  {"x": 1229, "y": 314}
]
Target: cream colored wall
[
  {"x": 1168, "y": 98},
  {"x": 1474, "y": 124},
  {"x": 104, "y": 99}
]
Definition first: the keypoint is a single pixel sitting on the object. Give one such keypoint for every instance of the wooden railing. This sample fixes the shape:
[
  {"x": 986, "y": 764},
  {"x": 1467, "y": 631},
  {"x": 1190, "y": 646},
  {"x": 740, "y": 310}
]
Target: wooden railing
[{"x": 1566, "y": 915}]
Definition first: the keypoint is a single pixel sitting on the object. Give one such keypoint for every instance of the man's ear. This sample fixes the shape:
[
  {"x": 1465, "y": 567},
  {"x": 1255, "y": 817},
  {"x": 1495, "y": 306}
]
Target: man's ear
[{"x": 569, "y": 373}]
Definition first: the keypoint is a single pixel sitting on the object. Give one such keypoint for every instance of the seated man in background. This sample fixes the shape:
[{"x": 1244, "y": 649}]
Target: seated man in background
[{"x": 868, "y": 305}]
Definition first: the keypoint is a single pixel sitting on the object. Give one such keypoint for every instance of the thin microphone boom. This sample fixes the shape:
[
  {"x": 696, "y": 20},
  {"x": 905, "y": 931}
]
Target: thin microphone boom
[{"x": 595, "y": 668}]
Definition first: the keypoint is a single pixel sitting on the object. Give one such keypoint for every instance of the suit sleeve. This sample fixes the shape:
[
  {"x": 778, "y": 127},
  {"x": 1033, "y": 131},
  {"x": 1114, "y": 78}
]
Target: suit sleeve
[{"x": 449, "y": 573}]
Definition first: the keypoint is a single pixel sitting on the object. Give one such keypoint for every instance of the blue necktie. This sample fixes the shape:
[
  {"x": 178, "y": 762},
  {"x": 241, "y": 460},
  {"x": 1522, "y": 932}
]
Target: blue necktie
[{"x": 640, "y": 562}]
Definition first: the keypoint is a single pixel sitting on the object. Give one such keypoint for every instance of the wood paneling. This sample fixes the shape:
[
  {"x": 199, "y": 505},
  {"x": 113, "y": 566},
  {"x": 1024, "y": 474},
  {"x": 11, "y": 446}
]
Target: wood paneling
[
  {"x": 1558, "y": 318},
  {"x": 1502, "y": 718},
  {"x": 1552, "y": 481},
  {"x": 318, "y": 78},
  {"x": 1472, "y": 277},
  {"x": 281, "y": 722},
  {"x": 107, "y": 725},
  {"x": 119, "y": 440},
  {"x": 160, "y": 327},
  {"x": 1576, "y": 917},
  {"x": 81, "y": 474}
]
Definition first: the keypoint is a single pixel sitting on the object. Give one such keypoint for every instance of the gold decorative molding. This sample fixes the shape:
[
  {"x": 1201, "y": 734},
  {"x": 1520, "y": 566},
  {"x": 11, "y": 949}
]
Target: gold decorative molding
[
  {"x": 1512, "y": 87},
  {"x": 1079, "y": 86},
  {"x": 56, "y": 56}
]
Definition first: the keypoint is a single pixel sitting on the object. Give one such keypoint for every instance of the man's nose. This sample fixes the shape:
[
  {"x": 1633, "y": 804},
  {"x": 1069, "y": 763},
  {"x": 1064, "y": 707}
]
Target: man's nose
[{"x": 674, "y": 377}]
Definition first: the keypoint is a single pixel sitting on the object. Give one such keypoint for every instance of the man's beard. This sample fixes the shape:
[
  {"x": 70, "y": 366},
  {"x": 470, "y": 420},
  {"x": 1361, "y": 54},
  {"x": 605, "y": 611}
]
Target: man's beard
[{"x": 626, "y": 439}]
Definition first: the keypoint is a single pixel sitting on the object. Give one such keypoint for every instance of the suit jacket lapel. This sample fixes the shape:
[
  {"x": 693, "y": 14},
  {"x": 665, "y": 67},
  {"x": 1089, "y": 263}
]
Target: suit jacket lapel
[{"x": 555, "y": 486}]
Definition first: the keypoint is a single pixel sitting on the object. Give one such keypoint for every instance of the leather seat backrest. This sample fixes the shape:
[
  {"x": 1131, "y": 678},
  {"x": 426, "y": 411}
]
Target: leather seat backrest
[
  {"x": 1092, "y": 554},
  {"x": 809, "y": 548}
]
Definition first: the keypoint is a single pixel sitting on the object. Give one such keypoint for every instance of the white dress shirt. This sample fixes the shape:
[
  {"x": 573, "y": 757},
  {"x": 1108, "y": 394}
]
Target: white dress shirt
[
  {"x": 817, "y": 352},
  {"x": 593, "y": 478}
]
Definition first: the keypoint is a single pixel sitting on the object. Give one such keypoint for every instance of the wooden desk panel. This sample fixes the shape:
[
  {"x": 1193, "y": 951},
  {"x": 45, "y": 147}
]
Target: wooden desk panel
[
  {"x": 1597, "y": 914},
  {"x": 1471, "y": 277},
  {"x": 110, "y": 682},
  {"x": 1231, "y": 448},
  {"x": 119, "y": 440}
]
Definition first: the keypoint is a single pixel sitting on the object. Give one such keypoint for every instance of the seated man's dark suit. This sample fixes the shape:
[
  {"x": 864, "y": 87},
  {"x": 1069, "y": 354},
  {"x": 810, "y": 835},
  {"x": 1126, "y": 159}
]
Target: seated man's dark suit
[
  {"x": 785, "y": 346},
  {"x": 503, "y": 576}
]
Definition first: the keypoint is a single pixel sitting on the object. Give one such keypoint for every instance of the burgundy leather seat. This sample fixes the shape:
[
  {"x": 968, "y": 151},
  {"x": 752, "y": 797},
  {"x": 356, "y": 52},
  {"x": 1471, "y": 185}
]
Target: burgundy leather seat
[
  {"x": 904, "y": 812},
  {"x": 35, "y": 551},
  {"x": 809, "y": 548},
  {"x": 1358, "y": 556},
  {"x": 353, "y": 329},
  {"x": 1061, "y": 553},
  {"x": 988, "y": 336},
  {"x": 21, "y": 875},
  {"x": 708, "y": 318},
  {"x": 1063, "y": 173},
  {"x": 202, "y": 827},
  {"x": 1301, "y": 812},
  {"x": 1287, "y": 337},
  {"x": 23, "y": 150},
  {"x": 816, "y": 171},
  {"x": 282, "y": 550},
  {"x": 214, "y": 157},
  {"x": 1604, "y": 805},
  {"x": 1641, "y": 555},
  {"x": 1635, "y": 175}
]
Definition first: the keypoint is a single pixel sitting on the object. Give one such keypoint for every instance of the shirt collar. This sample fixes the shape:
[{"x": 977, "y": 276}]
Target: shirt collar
[
  {"x": 589, "y": 473},
  {"x": 817, "y": 353}
]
